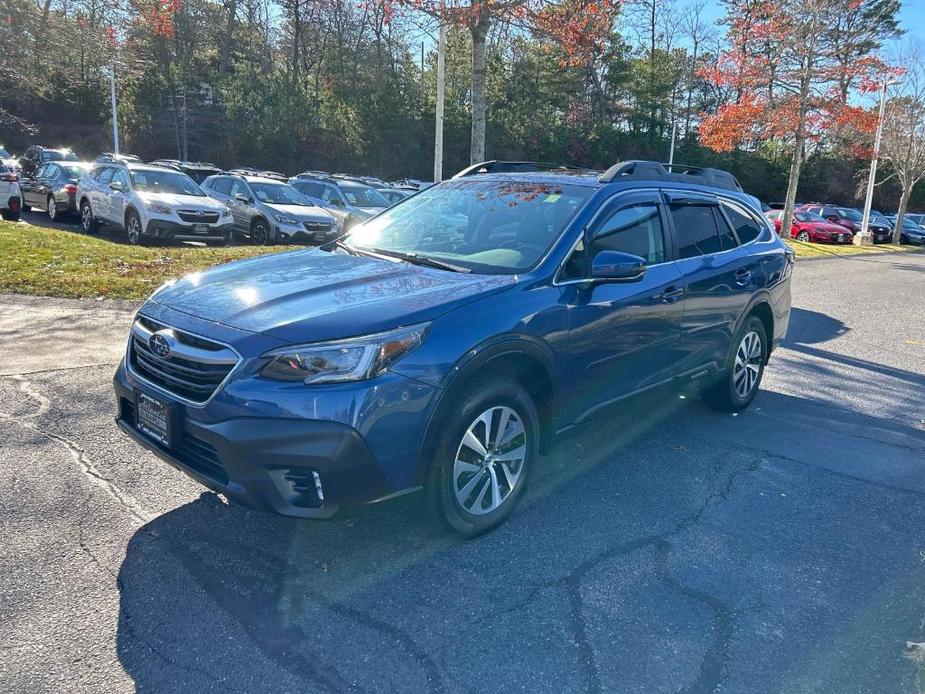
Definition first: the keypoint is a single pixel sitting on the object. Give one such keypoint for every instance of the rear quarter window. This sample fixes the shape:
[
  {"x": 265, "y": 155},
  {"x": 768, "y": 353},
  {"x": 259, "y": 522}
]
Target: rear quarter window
[{"x": 747, "y": 228}]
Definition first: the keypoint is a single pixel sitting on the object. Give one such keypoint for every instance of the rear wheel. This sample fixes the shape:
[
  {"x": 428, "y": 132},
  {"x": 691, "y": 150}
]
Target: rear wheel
[
  {"x": 487, "y": 441},
  {"x": 803, "y": 236},
  {"x": 744, "y": 368},
  {"x": 132, "y": 228},
  {"x": 87, "y": 222},
  {"x": 52, "y": 208},
  {"x": 11, "y": 215}
]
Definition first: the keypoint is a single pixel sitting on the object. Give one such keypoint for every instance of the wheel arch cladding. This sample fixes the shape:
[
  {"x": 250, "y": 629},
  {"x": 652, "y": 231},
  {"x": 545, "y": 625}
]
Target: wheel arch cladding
[
  {"x": 762, "y": 310},
  {"x": 524, "y": 363}
]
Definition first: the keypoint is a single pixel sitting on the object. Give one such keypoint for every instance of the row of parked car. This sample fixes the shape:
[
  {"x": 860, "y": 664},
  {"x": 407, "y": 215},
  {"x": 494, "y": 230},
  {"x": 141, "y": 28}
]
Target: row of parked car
[
  {"x": 169, "y": 199},
  {"x": 826, "y": 223}
]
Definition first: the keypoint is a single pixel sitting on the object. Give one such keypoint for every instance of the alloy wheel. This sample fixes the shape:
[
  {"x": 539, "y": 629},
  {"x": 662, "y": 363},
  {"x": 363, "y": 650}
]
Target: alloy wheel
[
  {"x": 490, "y": 460},
  {"x": 52, "y": 209},
  {"x": 747, "y": 366},
  {"x": 259, "y": 234},
  {"x": 803, "y": 236},
  {"x": 133, "y": 229},
  {"x": 86, "y": 217}
]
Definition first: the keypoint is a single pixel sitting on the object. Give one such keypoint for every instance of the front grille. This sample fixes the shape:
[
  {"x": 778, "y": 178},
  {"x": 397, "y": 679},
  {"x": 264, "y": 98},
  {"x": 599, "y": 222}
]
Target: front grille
[
  {"x": 196, "y": 454},
  {"x": 194, "y": 369},
  {"x": 198, "y": 217},
  {"x": 317, "y": 226}
]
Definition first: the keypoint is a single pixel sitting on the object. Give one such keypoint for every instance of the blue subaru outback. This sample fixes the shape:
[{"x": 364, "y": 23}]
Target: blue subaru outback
[{"x": 444, "y": 343}]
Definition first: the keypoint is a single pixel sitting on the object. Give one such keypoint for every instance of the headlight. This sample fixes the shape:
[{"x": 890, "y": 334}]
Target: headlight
[
  {"x": 225, "y": 213},
  {"x": 345, "y": 360},
  {"x": 283, "y": 219},
  {"x": 158, "y": 208}
]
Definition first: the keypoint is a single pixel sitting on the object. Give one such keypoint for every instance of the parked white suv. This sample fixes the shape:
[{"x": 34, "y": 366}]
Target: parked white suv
[
  {"x": 151, "y": 202},
  {"x": 10, "y": 193}
]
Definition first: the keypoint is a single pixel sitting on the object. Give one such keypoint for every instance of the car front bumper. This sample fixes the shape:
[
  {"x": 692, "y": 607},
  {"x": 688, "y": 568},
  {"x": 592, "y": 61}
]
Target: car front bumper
[
  {"x": 304, "y": 468},
  {"x": 181, "y": 231}
]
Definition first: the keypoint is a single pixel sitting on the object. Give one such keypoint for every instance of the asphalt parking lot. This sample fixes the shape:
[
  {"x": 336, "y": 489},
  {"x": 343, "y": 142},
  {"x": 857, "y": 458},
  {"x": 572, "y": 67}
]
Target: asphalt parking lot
[{"x": 665, "y": 548}]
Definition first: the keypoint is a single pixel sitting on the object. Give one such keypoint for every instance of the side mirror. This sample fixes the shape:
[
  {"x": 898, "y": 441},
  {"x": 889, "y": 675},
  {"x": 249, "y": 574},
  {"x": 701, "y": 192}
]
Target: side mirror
[
  {"x": 118, "y": 185},
  {"x": 337, "y": 202},
  {"x": 616, "y": 266},
  {"x": 241, "y": 197}
]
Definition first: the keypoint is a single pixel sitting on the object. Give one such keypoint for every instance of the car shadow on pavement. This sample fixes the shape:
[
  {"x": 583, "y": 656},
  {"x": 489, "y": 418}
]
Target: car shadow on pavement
[{"x": 212, "y": 594}]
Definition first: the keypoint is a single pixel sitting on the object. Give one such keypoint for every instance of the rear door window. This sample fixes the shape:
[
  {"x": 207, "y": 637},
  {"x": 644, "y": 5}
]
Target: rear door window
[
  {"x": 221, "y": 185},
  {"x": 105, "y": 175},
  {"x": 696, "y": 228}
]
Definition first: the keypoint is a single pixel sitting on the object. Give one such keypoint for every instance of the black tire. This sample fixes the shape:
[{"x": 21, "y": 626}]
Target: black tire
[
  {"x": 260, "y": 232},
  {"x": 458, "y": 415},
  {"x": 803, "y": 237},
  {"x": 52, "y": 208},
  {"x": 133, "y": 232},
  {"x": 726, "y": 394},
  {"x": 87, "y": 221},
  {"x": 11, "y": 215},
  {"x": 226, "y": 239}
]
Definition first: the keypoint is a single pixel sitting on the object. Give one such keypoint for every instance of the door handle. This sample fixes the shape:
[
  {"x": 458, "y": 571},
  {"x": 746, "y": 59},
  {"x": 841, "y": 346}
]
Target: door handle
[
  {"x": 743, "y": 276},
  {"x": 670, "y": 295}
]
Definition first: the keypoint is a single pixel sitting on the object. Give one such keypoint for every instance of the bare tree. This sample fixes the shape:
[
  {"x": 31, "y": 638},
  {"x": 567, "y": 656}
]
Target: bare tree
[{"x": 903, "y": 145}]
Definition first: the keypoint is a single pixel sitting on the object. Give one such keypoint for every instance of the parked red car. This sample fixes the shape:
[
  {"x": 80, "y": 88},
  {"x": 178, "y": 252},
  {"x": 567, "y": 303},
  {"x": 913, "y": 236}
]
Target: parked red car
[{"x": 810, "y": 227}]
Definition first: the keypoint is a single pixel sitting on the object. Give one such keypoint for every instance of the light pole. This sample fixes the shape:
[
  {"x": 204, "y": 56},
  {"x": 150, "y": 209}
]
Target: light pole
[
  {"x": 674, "y": 130},
  {"x": 862, "y": 238},
  {"x": 441, "y": 93},
  {"x": 115, "y": 118}
]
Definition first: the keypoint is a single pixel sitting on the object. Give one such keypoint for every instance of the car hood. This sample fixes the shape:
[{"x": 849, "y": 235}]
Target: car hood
[
  {"x": 193, "y": 202},
  {"x": 301, "y": 212},
  {"x": 314, "y": 295},
  {"x": 827, "y": 226}
]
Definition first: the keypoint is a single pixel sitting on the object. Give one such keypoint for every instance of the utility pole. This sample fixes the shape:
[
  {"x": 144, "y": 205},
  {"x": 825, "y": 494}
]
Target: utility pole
[
  {"x": 441, "y": 88},
  {"x": 864, "y": 234},
  {"x": 115, "y": 117}
]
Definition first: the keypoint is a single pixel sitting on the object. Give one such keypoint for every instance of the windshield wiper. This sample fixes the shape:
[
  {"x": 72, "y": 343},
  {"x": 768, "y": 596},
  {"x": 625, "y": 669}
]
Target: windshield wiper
[{"x": 421, "y": 260}]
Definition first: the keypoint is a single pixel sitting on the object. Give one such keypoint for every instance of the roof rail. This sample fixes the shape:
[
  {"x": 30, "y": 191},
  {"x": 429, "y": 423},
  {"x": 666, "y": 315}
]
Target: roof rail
[
  {"x": 653, "y": 170},
  {"x": 496, "y": 166}
]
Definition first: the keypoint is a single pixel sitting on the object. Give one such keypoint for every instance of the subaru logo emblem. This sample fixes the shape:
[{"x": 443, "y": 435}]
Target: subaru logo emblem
[{"x": 159, "y": 345}]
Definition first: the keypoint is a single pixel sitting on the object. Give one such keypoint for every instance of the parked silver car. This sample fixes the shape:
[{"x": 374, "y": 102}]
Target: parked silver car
[
  {"x": 351, "y": 201},
  {"x": 269, "y": 211}
]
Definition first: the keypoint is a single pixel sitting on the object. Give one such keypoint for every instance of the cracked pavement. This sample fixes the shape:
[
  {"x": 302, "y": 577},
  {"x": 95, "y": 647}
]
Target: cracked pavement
[{"x": 664, "y": 548}]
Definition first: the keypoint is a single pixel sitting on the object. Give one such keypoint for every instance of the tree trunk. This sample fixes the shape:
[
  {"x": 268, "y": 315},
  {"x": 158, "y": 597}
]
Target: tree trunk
[
  {"x": 231, "y": 8},
  {"x": 901, "y": 212},
  {"x": 479, "y": 33}
]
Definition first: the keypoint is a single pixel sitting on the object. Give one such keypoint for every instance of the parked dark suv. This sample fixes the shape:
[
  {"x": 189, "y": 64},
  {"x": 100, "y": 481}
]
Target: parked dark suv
[
  {"x": 443, "y": 343},
  {"x": 37, "y": 155}
]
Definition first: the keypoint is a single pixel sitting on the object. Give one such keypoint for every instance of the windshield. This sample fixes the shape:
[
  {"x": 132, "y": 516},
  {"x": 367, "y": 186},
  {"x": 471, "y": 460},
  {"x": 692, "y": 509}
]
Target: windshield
[
  {"x": 362, "y": 196},
  {"x": 807, "y": 217},
  {"x": 74, "y": 170},
  {"x": 846, "y": 213},
  {"x": 170, "y": 182},
  {"x": 279, "y": 194},
  {"x": 493, "y": 227}
]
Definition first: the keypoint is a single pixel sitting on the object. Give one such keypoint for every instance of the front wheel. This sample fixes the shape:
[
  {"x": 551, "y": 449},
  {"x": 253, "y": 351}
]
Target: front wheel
[
  {"x": 803, "y": 237},
  {"x": 225, "y": 240},
  {"x": 487, "y": 441},
  {"x": 260, "y": 233},
  {"x": 133, "y": 228},
  {"x": 744, "y": 368}
]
